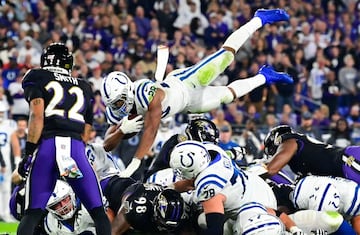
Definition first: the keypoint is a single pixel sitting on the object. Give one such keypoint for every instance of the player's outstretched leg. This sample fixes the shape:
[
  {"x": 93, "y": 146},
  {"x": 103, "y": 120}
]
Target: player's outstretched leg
[
  {"x": 261, "y": 17},
  {"x": 208, "y": 69},
  {"x": 266, "y": 74},
  {"x": 272, "y": 76}
]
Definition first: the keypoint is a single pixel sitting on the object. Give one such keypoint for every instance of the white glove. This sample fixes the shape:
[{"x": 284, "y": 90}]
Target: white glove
[
  {"x": 131, "y": 168},
  {"x": 133, "y": 125}
]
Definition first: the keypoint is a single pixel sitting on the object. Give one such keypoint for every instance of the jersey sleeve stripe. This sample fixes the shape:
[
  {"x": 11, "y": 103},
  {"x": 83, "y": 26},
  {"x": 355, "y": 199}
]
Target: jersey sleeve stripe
[
  {"x": 297, "y": 192},
  {"x": 138, "y": 95},
  {"x": 212, "y": 175}
]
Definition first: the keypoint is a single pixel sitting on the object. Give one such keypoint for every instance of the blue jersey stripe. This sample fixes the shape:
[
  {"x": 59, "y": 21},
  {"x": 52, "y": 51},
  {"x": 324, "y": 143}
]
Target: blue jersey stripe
[
  {"x": 260, "y": 226},
  {"x": 143, "y": 95},
  {"x": 353, "y": 201},
  {"x": 212, "y": 175},
  {"x": 138, "y": 95},
  {"x": 323, "y": 197},
  {"x": 251, "y": 206},
  {"x": 197, "y": 67}
]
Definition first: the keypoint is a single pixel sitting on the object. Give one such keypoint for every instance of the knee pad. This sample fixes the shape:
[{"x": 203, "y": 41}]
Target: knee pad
[{"x": 332, "y": 218}]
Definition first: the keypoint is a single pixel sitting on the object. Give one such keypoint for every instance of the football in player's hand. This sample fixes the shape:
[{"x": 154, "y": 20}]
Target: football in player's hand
[{"x": 137, "y": 126}]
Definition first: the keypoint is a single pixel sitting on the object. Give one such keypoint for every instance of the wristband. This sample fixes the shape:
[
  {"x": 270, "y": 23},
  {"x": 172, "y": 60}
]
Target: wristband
[{"x": 30, "y": 148}]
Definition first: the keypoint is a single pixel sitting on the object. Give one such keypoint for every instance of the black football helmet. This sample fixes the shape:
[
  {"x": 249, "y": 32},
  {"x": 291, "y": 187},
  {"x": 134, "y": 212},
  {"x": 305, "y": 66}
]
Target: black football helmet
[
  {"x": 168, "y": 210},
  {"x": 202, "y": 129},
  {"x": 273, "y": 140},
  {"x": 57, "y": 55}
]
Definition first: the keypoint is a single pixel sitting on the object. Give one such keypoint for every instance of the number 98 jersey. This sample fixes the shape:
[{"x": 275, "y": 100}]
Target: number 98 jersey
[
  {"x": 68, "y": 101},
  {"x": 137, "y": 201}
]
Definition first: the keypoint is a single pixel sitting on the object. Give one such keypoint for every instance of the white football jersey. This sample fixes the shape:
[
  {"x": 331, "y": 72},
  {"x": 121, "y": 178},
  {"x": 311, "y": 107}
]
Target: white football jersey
[
  {"x": 348, "y": 190},
  {"x": 239, "y": 187},
  {"x": 102, "y": 161},
  {"x": 175, "y": 99},
  {"x": 7, "y": 127},
  {"x": 82, "y": 223}
]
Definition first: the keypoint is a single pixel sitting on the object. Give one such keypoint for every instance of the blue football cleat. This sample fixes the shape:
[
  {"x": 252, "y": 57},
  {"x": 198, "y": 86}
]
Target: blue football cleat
[
  {"x": 272, "y": 76},
  {"x": 269, "y": 16}
]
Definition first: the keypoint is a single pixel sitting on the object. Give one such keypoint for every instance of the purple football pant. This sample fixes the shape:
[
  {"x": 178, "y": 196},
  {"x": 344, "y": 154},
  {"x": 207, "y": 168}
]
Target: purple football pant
[{"x": 44, "y": 173}]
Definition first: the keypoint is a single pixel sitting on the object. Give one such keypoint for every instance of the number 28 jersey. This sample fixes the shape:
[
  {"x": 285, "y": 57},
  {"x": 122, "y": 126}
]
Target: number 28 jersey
[{"x": 68, "y": 101}]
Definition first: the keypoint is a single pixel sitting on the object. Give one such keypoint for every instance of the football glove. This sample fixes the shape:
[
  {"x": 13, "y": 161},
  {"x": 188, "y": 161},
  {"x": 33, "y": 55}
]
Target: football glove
[
  {"x": 131, "y": 168},
  {"x": 24, "y": 166},
  {"x": 131, "y": 125}
]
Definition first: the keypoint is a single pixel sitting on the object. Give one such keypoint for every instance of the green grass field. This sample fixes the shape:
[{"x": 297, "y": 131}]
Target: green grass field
[{"x": 8, "y": 228}]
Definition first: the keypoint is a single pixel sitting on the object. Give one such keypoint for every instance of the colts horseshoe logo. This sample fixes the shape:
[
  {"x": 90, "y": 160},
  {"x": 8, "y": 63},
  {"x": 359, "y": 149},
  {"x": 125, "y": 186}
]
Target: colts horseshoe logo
[{"x": 187, "y": 160}]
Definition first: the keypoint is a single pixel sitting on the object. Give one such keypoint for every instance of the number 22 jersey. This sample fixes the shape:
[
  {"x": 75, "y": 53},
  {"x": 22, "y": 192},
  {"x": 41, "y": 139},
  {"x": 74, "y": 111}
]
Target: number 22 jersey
[{"x": 68, "y": 101}]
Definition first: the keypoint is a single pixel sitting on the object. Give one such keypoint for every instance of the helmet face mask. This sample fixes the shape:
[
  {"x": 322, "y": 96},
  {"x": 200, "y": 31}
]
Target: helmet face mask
[
  {"x": 189, "y": 158},
  {"x": 62, "y": 202},
  {"x": 57, "y": 55},
  {"x": 168, "y": 210},
  {"x": 117, "y": 92},
  {"x": 273, "y": 139},
  {"x": 202, "y": 130}
]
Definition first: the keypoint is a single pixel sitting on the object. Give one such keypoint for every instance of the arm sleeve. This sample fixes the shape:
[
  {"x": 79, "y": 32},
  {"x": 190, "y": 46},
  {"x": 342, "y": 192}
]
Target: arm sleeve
[{"x": 214, "y": 223}]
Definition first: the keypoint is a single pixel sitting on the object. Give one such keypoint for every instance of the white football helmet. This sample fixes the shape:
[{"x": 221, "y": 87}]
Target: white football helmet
[
  {"x": 62, "y": 202},
  {"x": 117, "y": 91},
  {"x": 189, "y": 158},
  {"x": 326, "y": 197},
  {"x": 263, "y": 224}
]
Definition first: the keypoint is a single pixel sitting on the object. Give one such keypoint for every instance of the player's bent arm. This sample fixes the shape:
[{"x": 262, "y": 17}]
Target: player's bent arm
[
  {"x": 151, "y": 125},
  {"x": 112, "y": 137},
  {"x": 119, "y": 225},
  {"x": 214, "y": 213},
  {"x": 283, "y": 155},
  {"x": 36, "y": 120}
]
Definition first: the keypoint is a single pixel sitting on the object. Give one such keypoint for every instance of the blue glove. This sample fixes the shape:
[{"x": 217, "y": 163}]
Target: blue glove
[{"x": 24, "y": 166}]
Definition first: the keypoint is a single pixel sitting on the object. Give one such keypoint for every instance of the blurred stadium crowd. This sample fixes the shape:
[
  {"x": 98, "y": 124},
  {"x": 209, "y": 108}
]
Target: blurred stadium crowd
[{"x": 319, "y": 47}]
